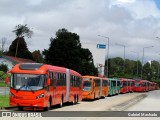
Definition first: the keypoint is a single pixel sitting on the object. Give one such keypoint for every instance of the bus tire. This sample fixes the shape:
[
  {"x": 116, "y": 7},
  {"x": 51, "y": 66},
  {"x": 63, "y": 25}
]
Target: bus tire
[
  {"x": 77, "y": 98},
  {"x": 74, "y": 100},
  {"x": 61, "y": 102},
  {"x": 49, "y": 105},
  {"x": 104, "y": 95},
  {"x": 99, "y": 96}
]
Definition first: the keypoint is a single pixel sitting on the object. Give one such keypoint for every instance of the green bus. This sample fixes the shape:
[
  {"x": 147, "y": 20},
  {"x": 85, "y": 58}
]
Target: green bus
[{"x": 114, "y": 86}]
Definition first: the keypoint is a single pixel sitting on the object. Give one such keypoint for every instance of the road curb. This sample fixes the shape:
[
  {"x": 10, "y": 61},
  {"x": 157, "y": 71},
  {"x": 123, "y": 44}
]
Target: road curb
[
  {"x": 5, "y": 108},
  {"x": 127, "y": 104}
]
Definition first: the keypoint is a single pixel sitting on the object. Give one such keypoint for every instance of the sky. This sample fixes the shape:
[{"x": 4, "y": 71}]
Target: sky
[{"x": 133, "y": 23}]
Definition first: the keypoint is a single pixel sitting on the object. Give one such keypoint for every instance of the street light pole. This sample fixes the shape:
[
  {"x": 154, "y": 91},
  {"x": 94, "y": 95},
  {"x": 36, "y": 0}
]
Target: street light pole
[
  {"x": 137, "y": 61},
  {"x": 158, "y": 69},
  {"x": 124, "y": 55},
  {"x": 142, "y": 60},
  {"x": 107, "y": 52}
]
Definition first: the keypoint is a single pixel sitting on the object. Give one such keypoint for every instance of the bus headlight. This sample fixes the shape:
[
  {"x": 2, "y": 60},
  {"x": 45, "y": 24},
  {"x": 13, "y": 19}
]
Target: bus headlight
[
  {"x": 11, "y": 95},
  {"x": 40, "y": 96}
]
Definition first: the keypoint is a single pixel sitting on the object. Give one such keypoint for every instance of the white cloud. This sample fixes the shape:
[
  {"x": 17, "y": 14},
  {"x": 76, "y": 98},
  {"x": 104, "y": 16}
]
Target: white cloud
[
  {"x": 34, "y": 2},
  {"x": 134, "y": 23}
]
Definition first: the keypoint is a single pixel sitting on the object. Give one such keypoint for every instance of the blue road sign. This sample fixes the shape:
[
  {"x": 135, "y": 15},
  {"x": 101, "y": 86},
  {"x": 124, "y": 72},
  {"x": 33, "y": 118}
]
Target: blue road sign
[{"x": 101, "y": 46}]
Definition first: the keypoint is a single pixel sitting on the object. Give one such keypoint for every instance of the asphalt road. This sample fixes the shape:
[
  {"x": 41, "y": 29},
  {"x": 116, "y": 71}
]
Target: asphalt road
[
  {"x": 4, "y": 90},
  {"x": 99, "y": 105},
  {"x": 150, "y": 103}
]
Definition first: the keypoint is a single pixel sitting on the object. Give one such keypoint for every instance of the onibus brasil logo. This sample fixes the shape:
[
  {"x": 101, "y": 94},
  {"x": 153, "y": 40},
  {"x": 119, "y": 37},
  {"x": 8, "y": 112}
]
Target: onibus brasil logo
[{"x": 21, "y": 114}]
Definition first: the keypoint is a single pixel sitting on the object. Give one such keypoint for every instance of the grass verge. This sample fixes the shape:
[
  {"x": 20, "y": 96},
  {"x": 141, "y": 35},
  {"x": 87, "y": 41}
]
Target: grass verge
[
  {"x": 2, "y": 84},
  {"x": 4, "y": 100}
]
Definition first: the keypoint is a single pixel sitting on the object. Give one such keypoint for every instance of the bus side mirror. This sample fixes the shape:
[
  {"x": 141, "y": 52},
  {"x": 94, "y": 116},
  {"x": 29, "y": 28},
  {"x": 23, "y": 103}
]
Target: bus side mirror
[
  {"x": 48, "y": 81},
  {"x": 7, "y": 79}
]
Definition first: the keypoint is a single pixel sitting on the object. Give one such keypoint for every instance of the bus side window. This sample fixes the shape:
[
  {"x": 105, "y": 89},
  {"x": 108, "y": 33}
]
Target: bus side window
[
  {"x": 61, "y": 79},
  {"x": 109, "y": 82},
  {"x": 95, "y": 83},
  {"x": 65, "y": 79},
  {"x": 57, "y": 79},
  {"x": 76, "y": 81},
  {"x": 113, "y": 83},
  {"x": 118, "y": 83},
  {"x": 71, "y": 80},
  {"x": 98, "y": 82},
  {"x": 105, "y": 83},
  {"x": 54, "y": 79},
  {"x": 79, "y": 81},
  {"x": 51, "y": 78}
]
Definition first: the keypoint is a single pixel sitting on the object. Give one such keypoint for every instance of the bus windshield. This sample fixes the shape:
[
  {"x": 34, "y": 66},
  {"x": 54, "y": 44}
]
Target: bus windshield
[
  {"x": 137, "y": 85},
  {"x": 27, "y": 82},
  {"x": 121, "y": 84},
  {"x": 86, "y": 85}
]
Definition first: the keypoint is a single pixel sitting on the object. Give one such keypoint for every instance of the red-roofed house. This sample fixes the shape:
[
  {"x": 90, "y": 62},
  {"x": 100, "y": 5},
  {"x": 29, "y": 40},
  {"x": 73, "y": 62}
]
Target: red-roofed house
[{"x": 11, "y": 61}]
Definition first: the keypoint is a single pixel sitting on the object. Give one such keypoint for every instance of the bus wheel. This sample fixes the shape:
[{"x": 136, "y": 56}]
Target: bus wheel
[
  {"x": 20, "y": 108},
  {"x": 61, "y": 103},
  {"x": 74, "y": 100},
  {"x": 98, "y": 96},
  {"x": 104, "y": 95},
  {"x": 49, "y": 106},
  {"x": 77, "y": 98}
]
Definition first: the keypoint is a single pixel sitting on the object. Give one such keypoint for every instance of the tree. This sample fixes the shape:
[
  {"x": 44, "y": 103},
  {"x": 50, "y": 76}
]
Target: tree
[
  {"x": 23, "y": 51},
  {"x": 22, "y": 31},
  {"x": 155, "y": 69},
  {"x": 137, "y": 69},
  {"x": 115, "y": 67},
  {"x": 37, "y": 56},
  {"x": 65, "y": 50},
  {"x": 3, "y": 68},
  {"x": 147, "y": 73},
  {"x": 18, "y": 48}
]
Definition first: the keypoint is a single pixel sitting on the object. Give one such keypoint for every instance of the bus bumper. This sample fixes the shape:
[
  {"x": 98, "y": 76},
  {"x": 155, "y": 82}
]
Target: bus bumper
[
  {"x": 27, "y": 103},
  {"x": 87, "y": 96}
]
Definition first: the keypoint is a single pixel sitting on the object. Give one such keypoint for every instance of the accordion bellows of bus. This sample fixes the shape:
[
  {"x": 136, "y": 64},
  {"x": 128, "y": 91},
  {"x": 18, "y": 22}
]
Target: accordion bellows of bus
[{"x": 42, "y": 86}]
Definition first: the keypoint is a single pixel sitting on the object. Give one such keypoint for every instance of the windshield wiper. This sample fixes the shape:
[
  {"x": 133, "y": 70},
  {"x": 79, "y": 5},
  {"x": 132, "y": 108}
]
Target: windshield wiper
[
  {"x": 20, "y": 88},
  {"x": 31, "y": 89},
  {"x": 24, "y": 86}
]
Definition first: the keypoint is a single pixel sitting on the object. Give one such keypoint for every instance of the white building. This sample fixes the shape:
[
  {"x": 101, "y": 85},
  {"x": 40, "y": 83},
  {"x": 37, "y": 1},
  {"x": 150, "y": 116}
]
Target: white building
[{"x": 99, "y": 52}]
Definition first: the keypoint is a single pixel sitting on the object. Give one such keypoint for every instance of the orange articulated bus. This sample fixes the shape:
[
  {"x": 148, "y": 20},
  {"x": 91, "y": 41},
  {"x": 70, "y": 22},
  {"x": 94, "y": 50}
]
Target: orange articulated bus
[
  {"x": 42, "y": 86},
  {"x": 94, "y": 87}
]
